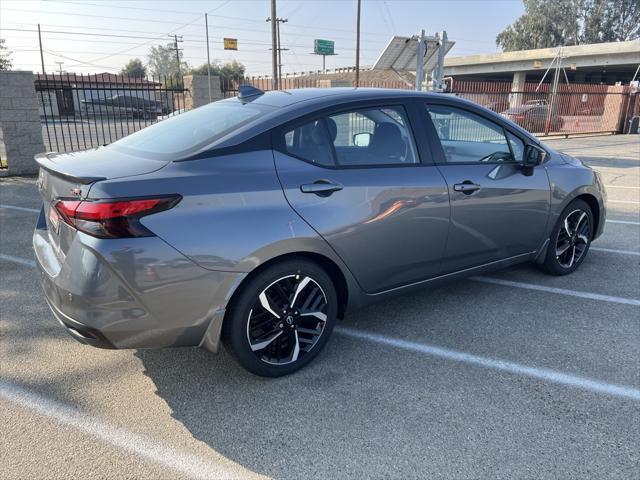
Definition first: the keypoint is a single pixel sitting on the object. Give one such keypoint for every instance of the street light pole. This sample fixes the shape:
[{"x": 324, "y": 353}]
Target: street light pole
[
  {"x": 357, "y": 47},
  {"x": 41, "y": 54},
  {"x": 206, "y": 24}
]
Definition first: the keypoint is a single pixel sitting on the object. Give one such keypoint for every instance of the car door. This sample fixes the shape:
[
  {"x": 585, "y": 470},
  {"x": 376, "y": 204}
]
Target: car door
[
  {"x": 356, "y": 177},
  {"x": 498, "y": 210}
]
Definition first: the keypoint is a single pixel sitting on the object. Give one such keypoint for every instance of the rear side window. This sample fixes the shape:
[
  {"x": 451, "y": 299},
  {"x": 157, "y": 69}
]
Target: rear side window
[
  {"x": 468, "y": 138},
  {"x": 361, "y": 137},
  {"x": 372, "y": 136},
  {"x": 310, "y": 142}
]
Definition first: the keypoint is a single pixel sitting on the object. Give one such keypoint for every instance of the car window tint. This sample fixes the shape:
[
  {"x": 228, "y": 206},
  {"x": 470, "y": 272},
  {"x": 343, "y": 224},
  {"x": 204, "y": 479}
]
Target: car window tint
[
  {"x": 467, "y": 137},
  {"x": 310, "y": 142},
  {"x": 517, "y": 146},
  {"x": 372, "y": 136},
  {"x": 184, "y": 134}
]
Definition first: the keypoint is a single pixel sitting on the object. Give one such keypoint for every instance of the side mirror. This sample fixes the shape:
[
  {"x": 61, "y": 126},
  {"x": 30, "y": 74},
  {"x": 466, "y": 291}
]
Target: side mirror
[
  {"x": 362, "y": 139},
  {"x": 533, "y": 156}
]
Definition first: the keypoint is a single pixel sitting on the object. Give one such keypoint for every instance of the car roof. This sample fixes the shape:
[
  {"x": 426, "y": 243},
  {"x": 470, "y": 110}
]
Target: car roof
[
  {"x": 288, "y": 105},
  {"x": 285, "y": 98}
]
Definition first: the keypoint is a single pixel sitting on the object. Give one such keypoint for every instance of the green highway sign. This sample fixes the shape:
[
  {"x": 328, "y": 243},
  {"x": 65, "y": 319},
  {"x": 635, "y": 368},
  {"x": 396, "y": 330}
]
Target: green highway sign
[{"x": 323, "y": 47}]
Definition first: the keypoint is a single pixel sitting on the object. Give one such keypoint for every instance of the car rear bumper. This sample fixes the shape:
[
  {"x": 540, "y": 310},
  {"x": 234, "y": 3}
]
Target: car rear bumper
[{"x": 132, "y": 293}]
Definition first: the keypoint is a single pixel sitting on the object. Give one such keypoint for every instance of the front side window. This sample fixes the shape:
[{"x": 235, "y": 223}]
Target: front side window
[
  {"x": 468, "y": 138},
  {"x": 372, "y": 136}
]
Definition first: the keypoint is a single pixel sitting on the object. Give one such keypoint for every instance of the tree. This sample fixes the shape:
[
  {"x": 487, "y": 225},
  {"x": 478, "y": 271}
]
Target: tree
[
  {"x": 551, "y": 23},
  {"x": 612, "y": 20},
  {"x": 162, "y": 61},
  {"x": 228, "y": 71},
  {"x": 5, "y": 56},
  {"x": 134, "y": 68}
]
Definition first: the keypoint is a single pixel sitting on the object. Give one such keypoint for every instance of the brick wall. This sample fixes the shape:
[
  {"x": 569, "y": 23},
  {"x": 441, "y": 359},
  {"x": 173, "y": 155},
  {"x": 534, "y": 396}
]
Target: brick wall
[{"x": 20, "y": 122}]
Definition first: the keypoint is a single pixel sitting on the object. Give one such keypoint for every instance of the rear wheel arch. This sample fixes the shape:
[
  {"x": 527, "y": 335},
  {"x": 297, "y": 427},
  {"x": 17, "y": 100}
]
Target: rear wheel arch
[{"x": 327, "y": 264}]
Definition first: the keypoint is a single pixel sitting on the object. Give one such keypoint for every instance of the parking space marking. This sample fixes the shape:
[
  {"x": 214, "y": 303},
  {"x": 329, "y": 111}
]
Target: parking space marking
[
  {"x": 22, "y": 209},
  {"x": 165, "y": 456},
  {"x": 621, "y": 186},
  {"x": 545, "y": 374},
  {"x": 560, "y": 291},
  {"x": 613, "y": 250},
  {"x": 21, "y": 261},
  {"x": 623, "y": 222},
  {"x": 629, "y": 202}
]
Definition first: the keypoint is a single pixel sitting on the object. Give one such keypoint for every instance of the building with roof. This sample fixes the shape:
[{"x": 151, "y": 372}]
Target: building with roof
[{"x": 598, "y": 63}]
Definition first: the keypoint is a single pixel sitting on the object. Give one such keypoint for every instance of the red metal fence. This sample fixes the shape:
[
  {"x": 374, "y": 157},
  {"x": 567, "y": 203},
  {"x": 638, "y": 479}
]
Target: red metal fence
[
  {"x": 574, "y": 108},
  {"x": 230, "y": 86}
]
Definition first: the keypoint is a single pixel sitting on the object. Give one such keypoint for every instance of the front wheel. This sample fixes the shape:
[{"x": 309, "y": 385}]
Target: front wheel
[
  {"x": 281, "y": 318},
  {"x": 570, "y": 239}
]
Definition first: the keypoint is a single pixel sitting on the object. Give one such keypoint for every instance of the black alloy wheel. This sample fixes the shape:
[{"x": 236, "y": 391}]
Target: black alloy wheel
[
  {"x": 570, "y": 239},
  {"x": 282, "y": 318}
]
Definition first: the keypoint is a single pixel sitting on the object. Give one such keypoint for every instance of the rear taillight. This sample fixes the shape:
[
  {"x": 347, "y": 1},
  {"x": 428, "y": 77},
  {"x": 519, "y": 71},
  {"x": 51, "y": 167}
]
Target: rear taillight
[{"x": 113, "y": 218}]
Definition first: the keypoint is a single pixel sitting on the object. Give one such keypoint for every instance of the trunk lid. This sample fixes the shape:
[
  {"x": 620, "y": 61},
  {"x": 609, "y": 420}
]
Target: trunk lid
[
  {"x": 70, "y": 175},
  {"x": 101, "y": 163}
]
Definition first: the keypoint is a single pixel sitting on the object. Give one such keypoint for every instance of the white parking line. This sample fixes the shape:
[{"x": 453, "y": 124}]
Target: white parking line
[
  {"x": 21, "y": 261},
  {"x": 560, "y": 291},
  {"x": 22, "y": 209},
  {"x": 179, "y": 461},
  {"x": 623, "y": 222},
  {"x": 612, "y": 250},
  {"x": 545, "y": 374},
  {"x": 621, "y": 186},
  {"x": 629, "y": 202}
]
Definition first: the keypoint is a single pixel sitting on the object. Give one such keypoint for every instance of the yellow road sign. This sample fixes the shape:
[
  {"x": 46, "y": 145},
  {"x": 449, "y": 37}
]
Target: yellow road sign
[{"x": 231, "y": 44}]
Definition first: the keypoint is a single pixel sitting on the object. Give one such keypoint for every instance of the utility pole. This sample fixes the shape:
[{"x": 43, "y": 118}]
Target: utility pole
[
  {"x": 206, "y": 23},
  {"x": 357, "y": 47},
  {"x": 175, "y": 43},
  {"x": 41, "y": 54},
  {"x": 278, "y": 22},
  {"x": 60, "y": 66},
  {"x": 274, "y": 47},
  {"x": 278, "y": 48}
]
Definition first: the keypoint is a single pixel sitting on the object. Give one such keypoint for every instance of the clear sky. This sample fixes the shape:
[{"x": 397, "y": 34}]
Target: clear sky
[{"x": 114, "y": 25}]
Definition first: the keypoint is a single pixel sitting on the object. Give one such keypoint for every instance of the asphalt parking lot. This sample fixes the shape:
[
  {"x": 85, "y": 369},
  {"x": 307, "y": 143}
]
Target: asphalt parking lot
[{"x": 512, "y": 375}]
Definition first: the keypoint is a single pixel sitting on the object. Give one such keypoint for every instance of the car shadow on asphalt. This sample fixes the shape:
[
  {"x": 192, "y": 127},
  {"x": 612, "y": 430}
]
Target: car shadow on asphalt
[{"x": 322, "y": 422}]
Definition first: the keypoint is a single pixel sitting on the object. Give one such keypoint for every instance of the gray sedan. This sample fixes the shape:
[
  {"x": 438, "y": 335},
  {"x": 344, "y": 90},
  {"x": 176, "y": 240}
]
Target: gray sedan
[{"x": 261, "y": 220}]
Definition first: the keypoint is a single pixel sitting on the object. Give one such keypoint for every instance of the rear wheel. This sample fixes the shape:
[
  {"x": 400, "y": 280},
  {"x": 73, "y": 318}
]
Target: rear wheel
[
  {"x": 281, "y": 318},
  {"x": 570, "y": 239}
]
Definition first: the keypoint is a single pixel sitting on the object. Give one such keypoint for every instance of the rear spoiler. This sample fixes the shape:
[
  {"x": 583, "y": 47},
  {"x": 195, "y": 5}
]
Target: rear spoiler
[{"x": 53, "y": 168}]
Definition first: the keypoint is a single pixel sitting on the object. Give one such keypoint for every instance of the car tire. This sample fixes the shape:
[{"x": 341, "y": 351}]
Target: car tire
[
  {"x": 570, "y": 239},
  {"x": 267, "y": 318}
]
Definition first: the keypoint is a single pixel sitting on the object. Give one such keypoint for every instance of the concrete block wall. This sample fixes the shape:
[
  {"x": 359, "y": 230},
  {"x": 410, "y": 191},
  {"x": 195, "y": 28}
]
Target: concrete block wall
[
  {"x": 197, "y": 90},
  {"x": 20, "y": 122}
]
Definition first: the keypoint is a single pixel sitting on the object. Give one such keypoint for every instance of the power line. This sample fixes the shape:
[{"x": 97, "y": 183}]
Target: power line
[
  {"x": 139, "y": 37},
  {"x": 294, "y": 25}
]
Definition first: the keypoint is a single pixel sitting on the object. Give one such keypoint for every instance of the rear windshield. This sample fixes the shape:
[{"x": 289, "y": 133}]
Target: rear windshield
[{"x": 186, "y": 133}]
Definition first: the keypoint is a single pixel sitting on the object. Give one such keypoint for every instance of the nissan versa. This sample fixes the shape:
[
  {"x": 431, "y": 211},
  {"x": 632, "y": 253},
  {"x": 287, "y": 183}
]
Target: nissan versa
[{"x": 260, "y": 220}]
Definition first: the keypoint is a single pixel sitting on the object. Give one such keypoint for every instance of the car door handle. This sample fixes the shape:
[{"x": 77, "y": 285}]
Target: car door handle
[
  {"x": 467, "y": 187},
  {"x": 322, "y": 188}
]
